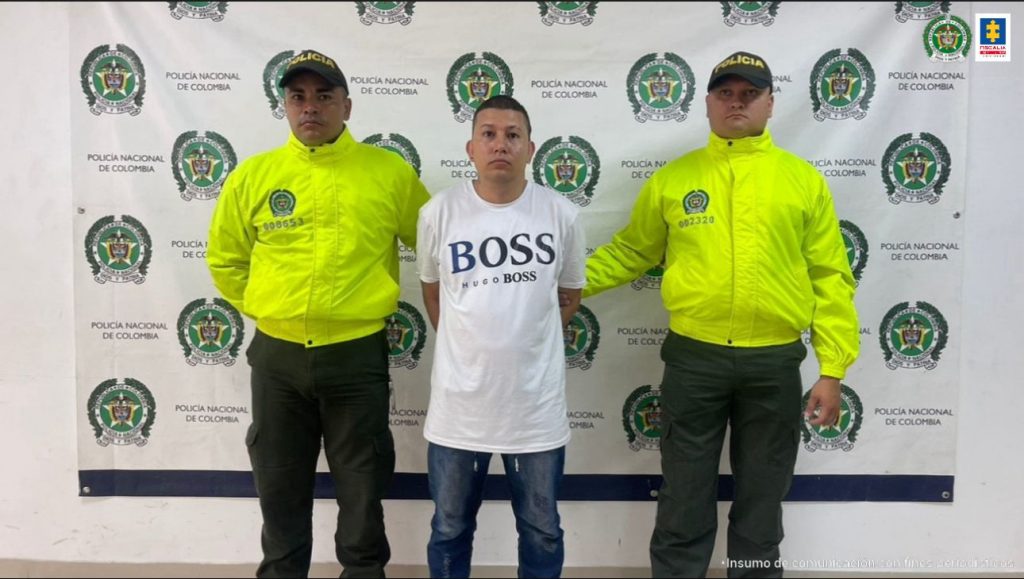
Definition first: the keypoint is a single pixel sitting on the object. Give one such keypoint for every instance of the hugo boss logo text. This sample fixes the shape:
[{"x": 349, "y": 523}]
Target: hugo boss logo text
[{"x": 493, "y": 252}]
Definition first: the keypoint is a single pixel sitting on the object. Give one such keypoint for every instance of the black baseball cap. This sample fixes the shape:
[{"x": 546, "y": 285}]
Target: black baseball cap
[
  {"x": 744, "y": 65},
  {"x": 314, "y": 61}
]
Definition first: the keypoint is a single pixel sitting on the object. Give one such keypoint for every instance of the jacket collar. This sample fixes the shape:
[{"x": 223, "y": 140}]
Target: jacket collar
[
  {"x": 340, "y": 147},
  {"x": 745, "y": 146}
]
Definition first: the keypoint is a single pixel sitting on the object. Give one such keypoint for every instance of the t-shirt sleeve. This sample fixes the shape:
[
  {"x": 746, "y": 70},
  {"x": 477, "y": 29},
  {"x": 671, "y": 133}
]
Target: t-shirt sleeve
[
  {"x": 426, "y": 246},
  {"x": 574, "y": 260}
]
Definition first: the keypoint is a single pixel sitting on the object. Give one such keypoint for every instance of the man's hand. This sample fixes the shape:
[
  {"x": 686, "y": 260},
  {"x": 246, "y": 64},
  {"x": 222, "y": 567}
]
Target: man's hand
[
  {"x": 825, "y": 399},
  {"x": 568, "y": 303},
  {"x": 432, "y": 301},
  {"x": 563, "y": 299}
]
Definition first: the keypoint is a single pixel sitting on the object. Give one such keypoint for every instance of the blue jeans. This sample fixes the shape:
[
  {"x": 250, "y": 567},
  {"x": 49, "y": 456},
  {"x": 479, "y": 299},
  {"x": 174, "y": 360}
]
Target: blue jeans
[{"x": 457, "y": 483}]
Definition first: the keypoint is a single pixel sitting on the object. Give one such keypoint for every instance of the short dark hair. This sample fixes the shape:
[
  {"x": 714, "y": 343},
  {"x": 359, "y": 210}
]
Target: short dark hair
[{"x": 504, "y": 103}]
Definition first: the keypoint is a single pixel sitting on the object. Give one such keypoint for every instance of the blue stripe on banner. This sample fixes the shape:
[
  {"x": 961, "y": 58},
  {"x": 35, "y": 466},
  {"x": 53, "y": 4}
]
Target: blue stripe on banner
[{"x": 575, "y": 487}]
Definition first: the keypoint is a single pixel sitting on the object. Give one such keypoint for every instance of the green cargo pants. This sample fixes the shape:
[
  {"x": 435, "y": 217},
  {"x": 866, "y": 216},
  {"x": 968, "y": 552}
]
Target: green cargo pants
[
  {"x": 338, "y": 393},
  {"x": 757, "y": 392}
]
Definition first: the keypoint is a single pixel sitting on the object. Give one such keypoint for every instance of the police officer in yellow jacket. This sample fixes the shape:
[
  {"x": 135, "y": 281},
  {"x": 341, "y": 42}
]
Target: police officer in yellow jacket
[
  {"x": 304, "y": 241},
  {"x": 753, "y": 256}
]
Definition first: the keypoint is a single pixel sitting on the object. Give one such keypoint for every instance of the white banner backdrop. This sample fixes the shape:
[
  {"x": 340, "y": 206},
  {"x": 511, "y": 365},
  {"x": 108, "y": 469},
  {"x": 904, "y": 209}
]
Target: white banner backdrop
[{"x": 174, "y": 95}]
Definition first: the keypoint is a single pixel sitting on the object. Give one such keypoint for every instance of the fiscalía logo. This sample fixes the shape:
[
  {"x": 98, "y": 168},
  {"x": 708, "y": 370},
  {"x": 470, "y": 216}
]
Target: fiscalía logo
[
  {"x": 842, "y": 85},
  {"x": 119, "y": 250},
  {"x": 272, "y": 74},
  {"x": 473, "y": 79},
  {"x": 913, "y": 336},
  {"x": 282, "y": 203},
  {"x": 915, "y": 169},
  {"x": 651, "y": 279},
  {"x": 641, "y": 417},
  {"x": 696, "y": 201},
  {"x": 113, "y": 80},
  {"x": 210, "y": 331},
  {"x": 121, "y": 412},
  {"x": 385, "y": 12},
  {"x": 397, "y": 144},
  {"x": 407, "y": 334},
  {"x": 567, "y": 12},
  {"x": 201, "y": 163},
  {"x": 920, "y": 10},
  {"x": 947, "y": 38},
  {"x": 660, "y": 88},
  {"x": 569, "y": 166},
  {"x": 993, "y": 32},
  {"x": 749, "y": 13},
  {"x": 198, "y": 10},
  {"x": 856, "y": 248},
  {"x": 581, "y": 336},
  {"x": 842, "y": 434}
]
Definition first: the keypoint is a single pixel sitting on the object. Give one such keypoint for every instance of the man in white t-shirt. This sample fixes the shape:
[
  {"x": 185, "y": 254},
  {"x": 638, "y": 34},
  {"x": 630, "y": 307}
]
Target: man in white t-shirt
[{"x": 493, "y": 254}]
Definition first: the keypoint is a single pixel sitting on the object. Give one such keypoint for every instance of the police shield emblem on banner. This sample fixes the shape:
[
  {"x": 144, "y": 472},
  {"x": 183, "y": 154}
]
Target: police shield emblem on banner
[
  {"x": 210, "y": 331},
  {"x": 913, "y": 336},
  {"x": 198, "y": 10},
  {"x": 915, "y": 169},
  {"x": 749, "y": 13},
  {"x": 118, "y": 250},
  {"x": 581, "y": 336},
  {"x": 842, "y": 85},
  {"x": 920, "y": 10},
  {"x": 660, "y": 88},
  {"x": 473, "y": 79},
  {"x": 121, "y": 412},
  {"x": 113, "y": 80},
  {"x": 947, "y": 38},
  {"x": 385, "y": 12},
  {"x": 567, "y": 12},
  {"x": 406, "y": 332},
  {"x": 569, "y": 166},
  {"x": 200, "y": 163},
  {"x": 641, "y": 417}
]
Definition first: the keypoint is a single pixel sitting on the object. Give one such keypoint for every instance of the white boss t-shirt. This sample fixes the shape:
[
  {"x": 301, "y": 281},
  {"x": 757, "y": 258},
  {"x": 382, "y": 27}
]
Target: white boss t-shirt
[{"x": 498, "y": 380}]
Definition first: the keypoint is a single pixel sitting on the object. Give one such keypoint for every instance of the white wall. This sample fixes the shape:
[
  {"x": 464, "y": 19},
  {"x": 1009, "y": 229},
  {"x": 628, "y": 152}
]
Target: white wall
[{"x": 42, "y": 517}]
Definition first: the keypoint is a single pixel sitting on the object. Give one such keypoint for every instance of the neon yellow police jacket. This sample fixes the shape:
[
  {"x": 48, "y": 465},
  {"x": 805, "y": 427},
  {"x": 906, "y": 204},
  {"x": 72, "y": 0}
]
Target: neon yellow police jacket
[
  {"x": 304, "y": 239},
  {"x": 752, "y": 248}
]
